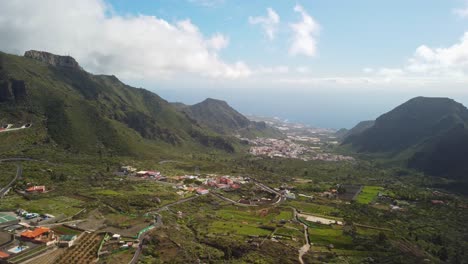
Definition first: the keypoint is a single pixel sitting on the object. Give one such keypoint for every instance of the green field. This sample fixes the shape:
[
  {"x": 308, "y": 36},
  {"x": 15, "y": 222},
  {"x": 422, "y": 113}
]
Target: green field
[
  {"x": 368, "y": 194},
  {"x": 237, "y": 228},
  {"x": 240, "y": 222},
  {"x": 325, "y": 235},
  {"x": 47, "y": 205},
  {"x": 66, "y": 231},
  {"x": 315, "y": 209}
]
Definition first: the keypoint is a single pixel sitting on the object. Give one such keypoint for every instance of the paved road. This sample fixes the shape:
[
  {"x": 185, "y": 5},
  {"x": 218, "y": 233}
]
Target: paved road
[
  {"x": 232, "y": 201},
  {"x": 19, "y": 174},
  {"x": 265, "y": 188}
]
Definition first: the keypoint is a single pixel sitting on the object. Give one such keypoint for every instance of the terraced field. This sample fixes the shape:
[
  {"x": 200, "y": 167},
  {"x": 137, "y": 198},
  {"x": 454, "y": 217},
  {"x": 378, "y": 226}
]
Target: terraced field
[
  {"x": 368, "y": 194},
  {"x": 84, "y": 252}
]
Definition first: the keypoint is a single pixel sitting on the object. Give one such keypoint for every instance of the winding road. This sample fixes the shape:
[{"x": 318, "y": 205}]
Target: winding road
[
  {"x": 19, "y": 174},
  {"x": 306, "y": 247}
]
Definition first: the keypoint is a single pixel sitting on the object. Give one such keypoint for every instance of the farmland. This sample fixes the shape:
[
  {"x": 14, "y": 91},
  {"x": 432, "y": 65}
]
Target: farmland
[{"x": 368, "y": 194}]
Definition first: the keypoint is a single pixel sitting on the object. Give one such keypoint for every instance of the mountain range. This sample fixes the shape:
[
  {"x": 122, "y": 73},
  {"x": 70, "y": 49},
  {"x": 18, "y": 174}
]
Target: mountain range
[
  {"x": 83, "y": 112},
  {"x": 222, "y": 118},
  {"x": 428, "y": 134}
]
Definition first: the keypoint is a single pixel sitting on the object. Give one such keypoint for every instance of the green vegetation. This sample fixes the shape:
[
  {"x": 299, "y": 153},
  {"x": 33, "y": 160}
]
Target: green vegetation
[
  {"x": 94, "y": 113},
  {"x": 63, "y": 230},
  {"x": 368, "y": 194},
  {"x": 43, "y": 205},
  {"x": 222, "y": 118},
  {"x": 85, "y": 127},
  {"x": 324, "y": 235},
  {"x": 428, "y": 134},
  {"x": 315, "y": 209}
]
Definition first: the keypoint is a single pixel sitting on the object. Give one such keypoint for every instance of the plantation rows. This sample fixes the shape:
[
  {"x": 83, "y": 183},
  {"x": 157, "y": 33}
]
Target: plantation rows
[{"x": 84, "y": 252}]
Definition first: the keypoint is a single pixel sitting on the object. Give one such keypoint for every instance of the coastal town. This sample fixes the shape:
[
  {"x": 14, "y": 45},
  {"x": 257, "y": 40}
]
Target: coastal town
[{"x": 290, "y": 148}]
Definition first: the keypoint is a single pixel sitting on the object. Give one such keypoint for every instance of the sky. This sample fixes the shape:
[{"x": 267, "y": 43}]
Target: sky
[{"x": 326, "y": 63}]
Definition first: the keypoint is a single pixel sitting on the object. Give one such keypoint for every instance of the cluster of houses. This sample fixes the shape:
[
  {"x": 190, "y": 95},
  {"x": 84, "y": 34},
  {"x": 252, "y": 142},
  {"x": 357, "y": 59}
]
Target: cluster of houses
[
  {"x": 288, "y": 148},
  {"x": 18, "y": 236},
  {"x": 201, "y": 185},
  {"x": 131, "y": 171},
  {"x": 281, "y": 148},
  {"x": 331, "y": 157}
]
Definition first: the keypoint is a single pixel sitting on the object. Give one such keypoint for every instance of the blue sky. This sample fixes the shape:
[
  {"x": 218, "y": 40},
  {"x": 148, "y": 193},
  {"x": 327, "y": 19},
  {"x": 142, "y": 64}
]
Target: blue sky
[
  {"x": 327, "y": 63},
  {"x": 355, "y": 34}
]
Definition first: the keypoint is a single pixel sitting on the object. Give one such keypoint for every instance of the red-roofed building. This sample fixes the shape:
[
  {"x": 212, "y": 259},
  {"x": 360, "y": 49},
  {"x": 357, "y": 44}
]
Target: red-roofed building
[
  {"x": 36, "y": 189},
  {"x": 32, "y": 234},
  {"x": 202, "y": 191},
  {"x": 4, "y": 255},
  {"x": 225, "y": 180}
]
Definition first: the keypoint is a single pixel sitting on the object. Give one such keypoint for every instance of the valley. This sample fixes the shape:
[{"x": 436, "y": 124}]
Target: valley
[{"x": 109, "y": 173}]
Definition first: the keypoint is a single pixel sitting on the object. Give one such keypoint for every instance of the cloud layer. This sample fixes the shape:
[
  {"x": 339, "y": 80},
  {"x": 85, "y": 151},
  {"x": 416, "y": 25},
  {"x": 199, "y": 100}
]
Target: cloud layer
[
  {"x": 449, "y": 64},
  {"x": 269, "y": 23},
  {"x": 305, "y": 34},
  {"x": 130, "y": 46}
]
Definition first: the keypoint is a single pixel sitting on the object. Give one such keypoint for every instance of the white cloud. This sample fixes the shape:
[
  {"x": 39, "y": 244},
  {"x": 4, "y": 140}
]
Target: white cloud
[
  {"x": 429, "y": 65},
  {"x": 132, "y": 47},
  {"x": 269, "y": 23},
  {"x": 462, "y": 12},
  {"x": 305, "y": 34},
  {"x": 218, "y": 42},
  {"x": 451, "y": 61},
  {"x": 273, "y": 70}
]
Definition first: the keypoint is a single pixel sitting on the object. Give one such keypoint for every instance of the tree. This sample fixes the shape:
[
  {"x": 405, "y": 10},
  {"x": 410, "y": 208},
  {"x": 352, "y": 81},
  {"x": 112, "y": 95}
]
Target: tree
[
  {"x": 62, "y": 177},
  {"x": 382, "y": 237},
  {"x": 443, "y": 254}
]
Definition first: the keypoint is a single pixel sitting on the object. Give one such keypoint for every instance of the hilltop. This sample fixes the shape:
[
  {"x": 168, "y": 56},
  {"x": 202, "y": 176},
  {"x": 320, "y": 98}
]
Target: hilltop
[
  {"x": 219, "y": 116},
  {"x": 429, "y": 134},
  {"x": 357, "y": 129},
  {"x": 83, "y": 112}
]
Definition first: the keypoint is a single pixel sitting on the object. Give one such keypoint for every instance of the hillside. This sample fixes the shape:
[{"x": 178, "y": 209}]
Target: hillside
[
  {"x": 430, "y": 134},
  {"x": 79, "y": 111},
  {"x": 357, "y": 129},
  {"x": 222, "y": 118}
]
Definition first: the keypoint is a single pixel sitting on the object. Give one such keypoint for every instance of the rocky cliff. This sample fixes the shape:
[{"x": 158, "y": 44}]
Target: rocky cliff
[{"x": 52, "y": 59}]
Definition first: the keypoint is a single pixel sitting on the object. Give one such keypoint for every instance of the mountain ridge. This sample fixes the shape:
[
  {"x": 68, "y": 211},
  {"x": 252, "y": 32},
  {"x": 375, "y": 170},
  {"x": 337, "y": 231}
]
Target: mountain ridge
[
  {"x": 80, "y": 111},
  {"x": 418, "y": 130},
  {"x": 219, "y": 116}
]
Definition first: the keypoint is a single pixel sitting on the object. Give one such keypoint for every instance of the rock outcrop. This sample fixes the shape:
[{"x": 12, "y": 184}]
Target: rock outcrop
[{"x": 52, "y": 59}]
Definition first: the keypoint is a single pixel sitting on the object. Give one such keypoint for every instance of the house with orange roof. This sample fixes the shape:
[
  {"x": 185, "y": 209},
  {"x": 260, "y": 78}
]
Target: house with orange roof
[
  {"x": 4, "y": 255},
  {"x": 40, "y": 189}
]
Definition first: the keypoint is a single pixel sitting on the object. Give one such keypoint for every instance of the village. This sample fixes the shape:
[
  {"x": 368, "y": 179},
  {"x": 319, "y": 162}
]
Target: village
[
  {"x": 27, "y": 237},
  {"x": 32, "y": 237},
  {"x": 288, "y": 148}
]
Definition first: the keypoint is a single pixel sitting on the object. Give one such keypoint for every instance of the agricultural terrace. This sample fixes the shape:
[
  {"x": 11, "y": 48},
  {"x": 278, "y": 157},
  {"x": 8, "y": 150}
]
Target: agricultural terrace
[
  {"x": 368, "y": 194},
  {"x": 315, "y": 209},
  {"x": 59, "y": 205}
]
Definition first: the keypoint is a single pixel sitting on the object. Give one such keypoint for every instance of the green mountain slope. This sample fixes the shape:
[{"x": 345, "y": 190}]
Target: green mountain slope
[
  {"x": 430, "y": 134},
  {"x": 222, "y": 118},
  {"x": 84, "y": 112},
  {"x": 357, "y": 129}
]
